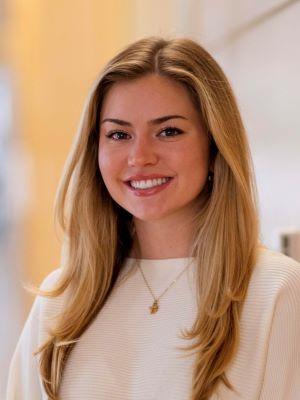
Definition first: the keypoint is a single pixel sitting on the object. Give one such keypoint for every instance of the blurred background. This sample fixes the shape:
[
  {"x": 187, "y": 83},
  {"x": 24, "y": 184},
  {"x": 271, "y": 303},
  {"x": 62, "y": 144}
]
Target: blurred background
[{"x": 50, "y": 54}]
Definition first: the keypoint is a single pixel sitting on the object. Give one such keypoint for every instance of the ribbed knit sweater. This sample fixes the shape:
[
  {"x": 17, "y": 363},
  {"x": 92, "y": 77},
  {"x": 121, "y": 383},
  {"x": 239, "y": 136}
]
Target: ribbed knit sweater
[{"x": 127, "y": 353}]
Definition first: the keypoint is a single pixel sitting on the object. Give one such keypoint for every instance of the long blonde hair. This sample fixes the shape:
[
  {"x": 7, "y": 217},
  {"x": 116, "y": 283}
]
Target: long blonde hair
[{"x": 99, "y": 232}]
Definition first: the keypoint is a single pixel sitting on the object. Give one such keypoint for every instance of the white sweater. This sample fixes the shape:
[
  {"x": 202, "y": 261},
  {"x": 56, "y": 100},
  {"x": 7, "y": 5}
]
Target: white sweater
[{"x": 129, "y": 354}]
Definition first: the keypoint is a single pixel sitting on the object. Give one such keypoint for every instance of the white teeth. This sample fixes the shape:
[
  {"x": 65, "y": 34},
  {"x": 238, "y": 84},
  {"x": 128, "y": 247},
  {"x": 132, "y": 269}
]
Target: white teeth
[{"x": 149, "y": 183}]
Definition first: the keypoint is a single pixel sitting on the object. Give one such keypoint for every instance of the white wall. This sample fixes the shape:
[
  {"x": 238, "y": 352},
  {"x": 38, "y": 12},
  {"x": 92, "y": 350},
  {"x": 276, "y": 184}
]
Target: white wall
[{"x": 263, "y": 65}]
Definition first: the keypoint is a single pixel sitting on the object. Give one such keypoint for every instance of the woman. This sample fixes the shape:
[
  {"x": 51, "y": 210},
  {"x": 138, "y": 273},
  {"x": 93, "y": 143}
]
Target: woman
[{"x": 163, "y": 291}]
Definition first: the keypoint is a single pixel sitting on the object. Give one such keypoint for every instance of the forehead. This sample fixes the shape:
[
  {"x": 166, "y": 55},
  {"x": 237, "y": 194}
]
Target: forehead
[{"x": 151, "y": 94}]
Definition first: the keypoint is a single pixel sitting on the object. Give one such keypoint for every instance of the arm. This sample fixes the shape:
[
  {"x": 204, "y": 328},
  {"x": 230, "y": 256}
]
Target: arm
[
  {"x": 23, "y": 382},
  {"x": 282, "y": 372}
]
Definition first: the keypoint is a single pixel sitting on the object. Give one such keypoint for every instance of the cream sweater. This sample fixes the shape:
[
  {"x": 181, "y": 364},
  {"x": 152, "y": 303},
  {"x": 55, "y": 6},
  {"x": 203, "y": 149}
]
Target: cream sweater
[{"x": 129, "y": 354}]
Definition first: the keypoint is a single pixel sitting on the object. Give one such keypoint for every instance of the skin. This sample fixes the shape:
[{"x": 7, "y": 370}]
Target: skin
[{"x": 140, "y": 147}]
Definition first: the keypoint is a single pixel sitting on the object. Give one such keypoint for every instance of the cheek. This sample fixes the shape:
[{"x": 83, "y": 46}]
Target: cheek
[
  {"x": 110, "y": 167},
  {"x": 195, "y": 159},
  {"x": 102, "y": 162},
  {"x": 105, "y": 159},
  {"x": 105, "y": 164}
]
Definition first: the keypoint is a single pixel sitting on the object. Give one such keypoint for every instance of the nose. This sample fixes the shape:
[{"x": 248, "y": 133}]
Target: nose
[{"x": 142, "y": 152}]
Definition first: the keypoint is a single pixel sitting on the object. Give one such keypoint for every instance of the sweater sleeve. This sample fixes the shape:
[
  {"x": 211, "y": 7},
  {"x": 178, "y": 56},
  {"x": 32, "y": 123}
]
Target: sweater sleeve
[
  {"x": 282, "y": 372},
  {"x": 23, "y": 382},
  {"x": 23, "y": 379}
]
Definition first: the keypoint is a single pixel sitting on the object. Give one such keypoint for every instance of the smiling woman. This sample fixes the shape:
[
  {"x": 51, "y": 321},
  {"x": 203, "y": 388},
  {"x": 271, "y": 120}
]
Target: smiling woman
[{"x": 164, "y": 291}]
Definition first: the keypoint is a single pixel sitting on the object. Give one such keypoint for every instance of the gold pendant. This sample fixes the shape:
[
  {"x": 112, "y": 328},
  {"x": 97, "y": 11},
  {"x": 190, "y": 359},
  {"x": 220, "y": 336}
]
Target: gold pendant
[{"x": 154, "y": 307}]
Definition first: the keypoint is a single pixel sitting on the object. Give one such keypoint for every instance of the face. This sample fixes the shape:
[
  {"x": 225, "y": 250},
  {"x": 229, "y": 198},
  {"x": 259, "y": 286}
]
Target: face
[{"x": 153, "y": 151}]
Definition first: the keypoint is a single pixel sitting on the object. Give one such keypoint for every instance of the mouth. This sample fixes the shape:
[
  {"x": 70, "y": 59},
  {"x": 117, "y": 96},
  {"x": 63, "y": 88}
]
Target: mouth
[{"x": 145, "y": 184}]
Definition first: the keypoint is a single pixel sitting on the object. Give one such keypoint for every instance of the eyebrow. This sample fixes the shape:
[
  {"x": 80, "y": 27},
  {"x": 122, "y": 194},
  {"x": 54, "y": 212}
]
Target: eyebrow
[{"x": 155, "y": 121}]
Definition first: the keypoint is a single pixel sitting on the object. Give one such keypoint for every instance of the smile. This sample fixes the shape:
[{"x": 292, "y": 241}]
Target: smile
[{"x": 149, "y": 183}]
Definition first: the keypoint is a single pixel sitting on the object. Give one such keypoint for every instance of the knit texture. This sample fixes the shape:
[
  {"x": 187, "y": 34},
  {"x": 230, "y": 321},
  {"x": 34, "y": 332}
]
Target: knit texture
[{"x": 129, "y": 353}]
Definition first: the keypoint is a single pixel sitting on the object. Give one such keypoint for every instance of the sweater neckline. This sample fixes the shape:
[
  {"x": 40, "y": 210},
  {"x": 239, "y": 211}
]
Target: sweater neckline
[
  {"x": 165, "y": 261},
  {"x": 162, "y": 269}
]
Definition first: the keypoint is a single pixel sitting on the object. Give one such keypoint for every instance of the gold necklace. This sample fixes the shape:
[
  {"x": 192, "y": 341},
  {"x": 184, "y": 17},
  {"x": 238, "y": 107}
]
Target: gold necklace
[{"x": 154, "y": 308}]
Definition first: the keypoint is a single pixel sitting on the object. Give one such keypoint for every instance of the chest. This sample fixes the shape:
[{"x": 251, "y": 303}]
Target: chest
[{"x": 129, "y": 353}]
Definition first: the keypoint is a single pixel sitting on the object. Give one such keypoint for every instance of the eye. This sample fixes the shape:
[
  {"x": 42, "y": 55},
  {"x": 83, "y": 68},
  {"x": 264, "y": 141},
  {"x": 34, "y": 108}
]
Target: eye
[
  {"x": 170, "y": 132},
  {"x": 118, "y": 135}
]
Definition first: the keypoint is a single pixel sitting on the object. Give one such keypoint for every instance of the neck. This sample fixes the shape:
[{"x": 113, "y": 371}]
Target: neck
[{"x": 157, "y": 240}]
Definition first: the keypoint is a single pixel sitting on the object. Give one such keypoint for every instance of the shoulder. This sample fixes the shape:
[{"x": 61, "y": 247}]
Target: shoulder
[
  {"x": 50, "y": 306},
  {"x": 270, "y": 329},
  {"x": 273, "y": 293},
  {"x": 276, "y": 270},
  {"x": 271, "y": 258},
  {"x": 274, "y": 277},
  {"x": 50, "y": 281}
]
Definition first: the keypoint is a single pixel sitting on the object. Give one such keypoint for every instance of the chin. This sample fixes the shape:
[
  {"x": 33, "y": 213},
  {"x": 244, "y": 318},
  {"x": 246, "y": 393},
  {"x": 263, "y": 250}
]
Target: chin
[{"x": 149, "y": 216}]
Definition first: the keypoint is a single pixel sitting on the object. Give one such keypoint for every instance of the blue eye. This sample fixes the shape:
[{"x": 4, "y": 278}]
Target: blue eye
[
  {"x": 170, "y": 132},
  {"x": 118, "y": 135}
]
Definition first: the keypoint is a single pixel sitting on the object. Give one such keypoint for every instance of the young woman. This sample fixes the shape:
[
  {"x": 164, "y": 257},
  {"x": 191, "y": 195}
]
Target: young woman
[{"x": 163, "y": 291}]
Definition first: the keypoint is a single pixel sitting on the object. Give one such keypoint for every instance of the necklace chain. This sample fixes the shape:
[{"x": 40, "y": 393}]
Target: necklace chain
[{"x": 154, "y": 308}]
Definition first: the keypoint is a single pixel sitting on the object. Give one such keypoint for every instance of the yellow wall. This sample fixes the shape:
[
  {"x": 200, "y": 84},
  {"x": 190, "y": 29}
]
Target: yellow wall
[{"x": 56, "y": 50}]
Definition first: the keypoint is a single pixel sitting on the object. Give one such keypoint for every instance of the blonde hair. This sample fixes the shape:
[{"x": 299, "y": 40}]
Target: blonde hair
[{"x": 99, "y": 232}]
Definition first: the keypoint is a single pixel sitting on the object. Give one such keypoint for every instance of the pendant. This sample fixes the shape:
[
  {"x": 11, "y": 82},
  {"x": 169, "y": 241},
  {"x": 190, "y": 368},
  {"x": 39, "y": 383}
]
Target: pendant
[{"x": 154, "y": 307}]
